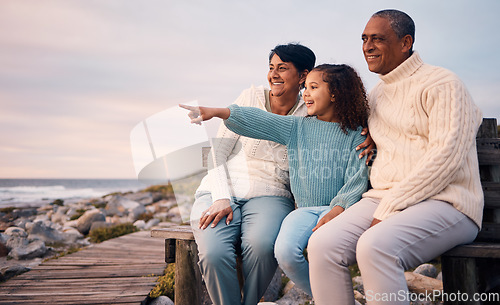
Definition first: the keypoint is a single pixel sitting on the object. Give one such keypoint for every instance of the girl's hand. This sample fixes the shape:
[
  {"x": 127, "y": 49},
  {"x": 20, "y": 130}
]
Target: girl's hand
[
  {"x": 199, "y": 114},
  {"x": 334, "y": 212},
  {"x": 369, "y": 146},
  {"x": 215, "y": 213},
  {"x": 374, "y": 222}
]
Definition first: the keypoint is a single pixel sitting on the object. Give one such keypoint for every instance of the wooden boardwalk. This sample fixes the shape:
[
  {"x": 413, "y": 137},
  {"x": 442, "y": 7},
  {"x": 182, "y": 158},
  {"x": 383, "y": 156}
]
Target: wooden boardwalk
[{"x": 117, "y": 271}]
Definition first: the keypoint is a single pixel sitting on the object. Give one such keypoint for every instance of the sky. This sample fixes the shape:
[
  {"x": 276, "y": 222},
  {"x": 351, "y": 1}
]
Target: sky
[{"x": 77, "y": 76}]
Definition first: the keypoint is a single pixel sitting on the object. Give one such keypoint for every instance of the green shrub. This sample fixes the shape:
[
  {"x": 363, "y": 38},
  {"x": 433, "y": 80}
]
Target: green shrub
[
  {"x": 7, "y": 210},
  {"x": 166, "y": 284},
  {"x": 166, "y": 190},
  {"x": 354, "y": 270},
  {"x": 58, "y": 202},
  {"x": 79, "y": 213},
  {"x": 98, "y": 235},
  {"x": 145, "y": 216}
]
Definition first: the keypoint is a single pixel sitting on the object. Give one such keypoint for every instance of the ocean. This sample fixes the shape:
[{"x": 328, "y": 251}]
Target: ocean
[{"x": 36, "y": 192}]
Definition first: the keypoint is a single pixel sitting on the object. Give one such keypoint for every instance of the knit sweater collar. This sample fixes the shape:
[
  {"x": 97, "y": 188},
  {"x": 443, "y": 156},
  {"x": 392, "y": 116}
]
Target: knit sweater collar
[{"x": 404, "y": 70}]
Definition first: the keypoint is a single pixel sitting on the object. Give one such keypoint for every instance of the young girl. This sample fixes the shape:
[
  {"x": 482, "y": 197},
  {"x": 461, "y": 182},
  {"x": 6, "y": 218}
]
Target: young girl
[{"x": 326, "y": 174}]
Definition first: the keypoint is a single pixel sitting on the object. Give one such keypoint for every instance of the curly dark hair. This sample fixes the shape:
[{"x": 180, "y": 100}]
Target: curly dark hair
[{"x": 349, "y": 92}]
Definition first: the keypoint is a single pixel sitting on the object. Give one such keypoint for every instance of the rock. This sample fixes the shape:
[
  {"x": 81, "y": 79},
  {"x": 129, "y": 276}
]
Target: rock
[
  {"x": 358, "y": 284},
  {"x": 5, "y": 224},
  {"x": 4, "y": 238},
  {"x": 418, "y": 283},
  {"x": 136, "y": 212},
  {"x": 288, "y": 287},
  {"x": 151, "y": 223},
  {"x": 427, "y": 270},
  {"x": 144, "y": 198},
  {"x": 151, "y": 209},
  {"x": 162, "y": 300},
  {"x": 85, "y": 221},
  {"x": 359, "y": 297},
  {"x": 71, "y": 223},
  {"x": 165, "y": 205},
  {"x": 34, "y": 249},
  {"x": 439, "y": 276},
  {"x": 41, "y": 231},
  {"x": 3, "y": 249},
  {"x": 71, "y": 235},
  {"x": 21, "y": 222},
  {"x": 119, "y": 205},
  {"x": 140, "y": 224},
  {"x": 41, "y": 217},
  {"x": 60, "y": 216},
  {"x": 72, "y": 211},
  {"x": 100, "y": 224},
  {"x": 23, "y": 213},
  {"x": 16, "y": 232},
  {"x": 174, "y": 215},
  {"x": 274, "y": 287},
  {"x": 16, "y": 242},
  {"x": 8, "y": 272},
  {"x": 294, "y": 296}
]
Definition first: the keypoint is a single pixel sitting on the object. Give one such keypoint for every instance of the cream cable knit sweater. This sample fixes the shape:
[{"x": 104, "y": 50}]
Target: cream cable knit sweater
[
  {"x": 424, "y": 123},
  {"x": 243, "y": 167}
]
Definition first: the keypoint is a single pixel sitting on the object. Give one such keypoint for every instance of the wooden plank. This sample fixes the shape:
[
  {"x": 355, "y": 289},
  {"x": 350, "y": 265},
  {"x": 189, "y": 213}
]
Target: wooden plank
[
  {"x": 488, "y": 151},
  {"x": 182, "y": 232},
  {"x": 491, "y": 194},
  {"x": 475, "y": 250},
  {"x": 489, "y": 233},
  {"x": 117, "y": 271}
]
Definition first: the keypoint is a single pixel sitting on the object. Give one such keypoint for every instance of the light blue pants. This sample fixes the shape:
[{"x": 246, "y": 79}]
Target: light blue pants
[
  {"x": 292, "y": 240},
  {"x": 255, "y": 225}
]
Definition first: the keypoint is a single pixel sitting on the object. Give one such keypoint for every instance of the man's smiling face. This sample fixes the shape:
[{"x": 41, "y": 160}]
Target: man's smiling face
[{"x": 382, "y": 48}]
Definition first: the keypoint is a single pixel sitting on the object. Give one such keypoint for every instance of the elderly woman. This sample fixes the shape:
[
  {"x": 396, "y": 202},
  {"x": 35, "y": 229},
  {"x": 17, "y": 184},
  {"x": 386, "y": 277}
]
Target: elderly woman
[{"x": 244, "y": 198}]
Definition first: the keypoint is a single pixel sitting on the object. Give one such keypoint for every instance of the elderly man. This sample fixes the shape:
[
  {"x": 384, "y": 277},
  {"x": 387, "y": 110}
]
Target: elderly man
[{"x": 426, "y": 195}]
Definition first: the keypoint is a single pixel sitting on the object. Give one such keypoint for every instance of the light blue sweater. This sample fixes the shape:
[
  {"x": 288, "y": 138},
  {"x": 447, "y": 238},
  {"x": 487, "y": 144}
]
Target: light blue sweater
[{"x": 324, "y": 165}]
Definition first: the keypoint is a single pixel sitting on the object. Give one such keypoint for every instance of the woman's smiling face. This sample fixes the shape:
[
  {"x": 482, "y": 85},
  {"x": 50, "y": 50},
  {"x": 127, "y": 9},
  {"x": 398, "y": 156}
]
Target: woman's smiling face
[{"x": 283, "y": 77}]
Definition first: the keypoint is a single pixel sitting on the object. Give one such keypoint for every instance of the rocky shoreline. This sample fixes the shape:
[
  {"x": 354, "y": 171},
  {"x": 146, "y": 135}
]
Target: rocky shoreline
[{"x": 30, "y": 235}]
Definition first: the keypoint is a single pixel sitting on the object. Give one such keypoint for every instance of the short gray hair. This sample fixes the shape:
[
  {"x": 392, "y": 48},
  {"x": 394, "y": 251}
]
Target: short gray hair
[{"x": 400, "y": 22}]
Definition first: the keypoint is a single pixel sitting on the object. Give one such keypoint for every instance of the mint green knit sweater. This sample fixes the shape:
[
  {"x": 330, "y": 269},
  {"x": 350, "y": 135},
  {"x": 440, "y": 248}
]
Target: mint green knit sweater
[{"x": 324, "y": 165}]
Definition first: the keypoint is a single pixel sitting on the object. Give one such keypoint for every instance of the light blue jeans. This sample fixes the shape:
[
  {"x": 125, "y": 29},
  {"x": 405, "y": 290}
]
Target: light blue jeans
[
  {"x": 255, "y": 225},
  {"x": 292, "y": 240}
]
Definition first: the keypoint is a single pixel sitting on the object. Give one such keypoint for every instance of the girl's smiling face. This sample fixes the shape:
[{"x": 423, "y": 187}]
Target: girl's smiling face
[{"x": 318, "y": 98}]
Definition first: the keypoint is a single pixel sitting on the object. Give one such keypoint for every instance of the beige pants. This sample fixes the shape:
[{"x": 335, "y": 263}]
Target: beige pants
[{"x": 383, "y": 252}]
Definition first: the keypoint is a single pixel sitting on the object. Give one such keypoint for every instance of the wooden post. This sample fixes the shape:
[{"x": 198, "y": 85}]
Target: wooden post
[
  {"x": 169, "y": 250},
  {"x": 488, "y": 129},
  {"x": 459, "y": 273},
  {"x": 187, "y": 273}
]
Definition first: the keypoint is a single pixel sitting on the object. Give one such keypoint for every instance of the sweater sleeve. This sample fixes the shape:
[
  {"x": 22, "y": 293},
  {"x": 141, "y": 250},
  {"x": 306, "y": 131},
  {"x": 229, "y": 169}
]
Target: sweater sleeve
[
  {"x": 259, "y": 124},
  {"x": 453, "y": 124},
  {"x": 355, "y": 179}
]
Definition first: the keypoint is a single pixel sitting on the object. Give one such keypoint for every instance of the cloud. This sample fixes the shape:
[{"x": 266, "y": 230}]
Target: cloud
[{"x": 77, "y": 76}]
